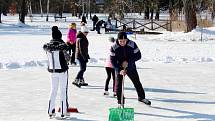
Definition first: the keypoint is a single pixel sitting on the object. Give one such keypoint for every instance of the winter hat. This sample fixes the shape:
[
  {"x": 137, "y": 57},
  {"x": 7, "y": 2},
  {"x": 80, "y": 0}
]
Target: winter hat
[
  {"x": 122, "y": 35},
  {"x": 56, "y": 34},
  {"x": 84, "y": 29}
]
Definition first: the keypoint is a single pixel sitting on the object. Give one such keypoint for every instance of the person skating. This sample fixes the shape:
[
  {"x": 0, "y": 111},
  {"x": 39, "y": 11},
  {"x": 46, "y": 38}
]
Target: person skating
[
  {"x": 71, "y": 41},
  {"x": 126, "y": 52},
  {"x": 98, "y": 26},
  {"x": 82, "y": 55},
  {"x": 57, "y": 66},
  {"x": 83, "y": 19},
  {"x": 95, "y": 20},
  {"x": 110, "y": 71},
  {"x": 108, "y": 25}
]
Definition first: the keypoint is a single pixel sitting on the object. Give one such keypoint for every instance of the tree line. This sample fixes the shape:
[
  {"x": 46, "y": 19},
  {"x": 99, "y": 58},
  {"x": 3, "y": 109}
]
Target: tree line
[{"x": 150, "y": 9}]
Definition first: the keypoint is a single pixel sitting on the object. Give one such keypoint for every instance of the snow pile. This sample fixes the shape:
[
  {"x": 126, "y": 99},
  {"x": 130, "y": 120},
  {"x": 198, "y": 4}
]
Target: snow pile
[{"x": 16, "y": 65}]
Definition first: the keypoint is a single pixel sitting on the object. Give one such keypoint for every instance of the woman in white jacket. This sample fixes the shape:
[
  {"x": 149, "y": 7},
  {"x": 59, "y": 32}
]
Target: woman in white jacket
[{"x": 58, "y": 68}]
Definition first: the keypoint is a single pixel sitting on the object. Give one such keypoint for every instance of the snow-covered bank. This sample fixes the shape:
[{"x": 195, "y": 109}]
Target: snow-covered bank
[
  {"x": 21, "y": 45},
  {"x": 25, "y": 50}
]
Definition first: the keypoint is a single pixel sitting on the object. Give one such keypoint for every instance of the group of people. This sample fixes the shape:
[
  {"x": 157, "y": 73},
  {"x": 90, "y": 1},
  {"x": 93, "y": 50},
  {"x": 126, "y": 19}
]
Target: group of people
[
  {"x": 120, "y": 62},
  {"x": 98, "y": 23}
]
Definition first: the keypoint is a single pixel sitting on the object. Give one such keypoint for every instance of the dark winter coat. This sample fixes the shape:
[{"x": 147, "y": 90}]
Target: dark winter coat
[
  {"x": 83, "y": 19},
  {"x": 95, "y": 19},
  {"x": 130, "y": 53},
  {"x": 55, "y": 52},
  {"x": 82, "y": 47},
  {"x": 99, "y": 23}
]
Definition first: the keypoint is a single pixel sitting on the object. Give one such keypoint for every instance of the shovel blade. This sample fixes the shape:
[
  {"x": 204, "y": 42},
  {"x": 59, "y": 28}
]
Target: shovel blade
[
  {"x": 121, "y": 114},
  {"x": 70, "y": 110}
]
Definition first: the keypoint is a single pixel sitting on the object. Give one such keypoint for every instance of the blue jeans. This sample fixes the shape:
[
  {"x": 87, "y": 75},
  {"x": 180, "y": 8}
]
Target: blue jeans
[{"x": 83, "y": 65}]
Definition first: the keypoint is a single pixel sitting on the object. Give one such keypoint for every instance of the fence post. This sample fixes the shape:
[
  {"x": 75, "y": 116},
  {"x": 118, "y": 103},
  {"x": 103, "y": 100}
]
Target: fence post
[
  {"x": 134, "y": 27},
  {"x": 152, "y": 24},
  {"x": 116, "y": 23}
]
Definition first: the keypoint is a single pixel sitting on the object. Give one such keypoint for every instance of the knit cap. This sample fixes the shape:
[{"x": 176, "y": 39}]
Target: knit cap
[
  {"x": 84, "y": 29},
  {"x": 56, "y": 34}
]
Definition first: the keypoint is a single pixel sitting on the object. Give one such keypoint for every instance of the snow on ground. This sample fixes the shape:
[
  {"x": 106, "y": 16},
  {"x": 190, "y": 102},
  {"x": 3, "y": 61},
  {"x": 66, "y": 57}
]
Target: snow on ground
[{"x": 176, "y": 70}]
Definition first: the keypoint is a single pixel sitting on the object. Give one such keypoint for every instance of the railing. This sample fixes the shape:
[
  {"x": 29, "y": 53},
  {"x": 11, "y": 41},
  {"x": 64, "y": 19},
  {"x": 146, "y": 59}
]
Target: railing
[
  {"x": 59, "y": 17},
  {"x": 144, "y": 24}
]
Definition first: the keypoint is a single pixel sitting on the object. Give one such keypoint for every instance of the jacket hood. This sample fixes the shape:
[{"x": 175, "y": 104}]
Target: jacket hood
[
  {"x": 81, "y": 35},
  {"x": 57, "y": 40},
  {"x": 55, "y": 46}
]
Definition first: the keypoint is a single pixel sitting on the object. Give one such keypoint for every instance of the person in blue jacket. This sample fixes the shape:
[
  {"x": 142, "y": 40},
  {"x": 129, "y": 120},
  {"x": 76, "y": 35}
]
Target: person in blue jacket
[{"x": 124, "y": 54}]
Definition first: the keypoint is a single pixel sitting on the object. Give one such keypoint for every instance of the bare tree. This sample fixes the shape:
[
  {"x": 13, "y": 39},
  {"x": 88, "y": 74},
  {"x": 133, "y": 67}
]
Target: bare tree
[
  {"x": 190, "y": 15},
  {"x": 150, "y": 7},
  {"x": 41, "y": 9},
  {"x": 1, "y": 7},
  {"x": 4, "y": 5},
  {"x": 47, "y": 15},
  {"x": 23, "y": 11},
  {"x": 212, "y": 9}
]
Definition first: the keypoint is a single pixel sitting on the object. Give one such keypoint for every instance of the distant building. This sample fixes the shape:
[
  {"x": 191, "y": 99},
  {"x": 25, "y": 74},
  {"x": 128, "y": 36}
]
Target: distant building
[
  {"x": 100, "y": 2},
  {"x": 100, "y": 5}
]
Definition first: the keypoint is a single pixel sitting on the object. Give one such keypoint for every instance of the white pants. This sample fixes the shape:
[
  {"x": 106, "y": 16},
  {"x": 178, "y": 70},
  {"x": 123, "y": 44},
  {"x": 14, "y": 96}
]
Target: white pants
[{"x": 58, "y": 79}]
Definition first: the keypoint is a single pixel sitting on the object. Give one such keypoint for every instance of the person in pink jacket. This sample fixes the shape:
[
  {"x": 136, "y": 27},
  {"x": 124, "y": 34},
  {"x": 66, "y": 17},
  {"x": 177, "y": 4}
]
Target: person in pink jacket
[
  {"x": 71, "y": 41},
  {"x": 110, "y": 70}
]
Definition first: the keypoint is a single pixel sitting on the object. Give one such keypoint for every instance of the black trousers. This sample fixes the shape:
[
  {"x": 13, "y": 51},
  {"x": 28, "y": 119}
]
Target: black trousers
[
  {"x": 134, "y": 77},
  {"x": 109, "y": 72},
  {"x": 72, "y": 47},
  {"x": 98, "y": 29},
  {"x": 94, "y": 25}
]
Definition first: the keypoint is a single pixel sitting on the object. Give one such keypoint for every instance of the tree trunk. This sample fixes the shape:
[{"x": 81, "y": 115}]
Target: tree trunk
[
  {"x": 0, "y": 14},
  {"x": 23, "y": 11},
  {"x": 213, "y": 10},
  {"x": 146, "y": 13},
  {"x": 157, "y": 11},
  {"x": 30, "y": 10},
  {"x": 173, "y": 12},
  {"x": 157, "y": 15},
  {"x": 152, "y": 13},
  {"x": 0, "y": 11},
  {"x": 190, "y": 15},
  {"x": 47, "y": 15},
  {"x": 41, "y": 9}
]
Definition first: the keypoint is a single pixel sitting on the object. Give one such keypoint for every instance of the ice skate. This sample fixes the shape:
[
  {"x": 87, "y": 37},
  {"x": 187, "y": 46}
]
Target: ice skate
[
  {"x": 82, "y": 82},
  {"x": 145, "y": 101},
  {"x": 77, "y": 83},
  {"x": 106, "y": 93},
  {"x": 52, "y": 115}
]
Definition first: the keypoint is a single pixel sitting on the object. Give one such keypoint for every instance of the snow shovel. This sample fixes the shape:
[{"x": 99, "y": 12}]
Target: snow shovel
[
  {"x": 70, "y": 110},
  {"x": 121, "y": 113}
]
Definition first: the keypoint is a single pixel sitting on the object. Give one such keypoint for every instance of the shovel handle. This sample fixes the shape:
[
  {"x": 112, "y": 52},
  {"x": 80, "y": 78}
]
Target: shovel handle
[
  {"x": 124, "y": 65},
  {"x": 122, "y": 94}
]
